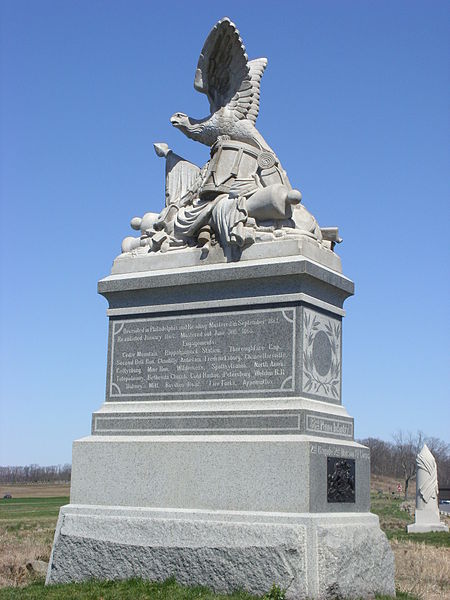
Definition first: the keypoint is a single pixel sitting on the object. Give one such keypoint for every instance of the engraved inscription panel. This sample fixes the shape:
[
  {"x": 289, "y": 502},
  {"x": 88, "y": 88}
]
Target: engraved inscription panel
[
  {"x": 213, "y": 354},
  {"x": 339, "y": 451},
  {"x": 316, "y": 424}
]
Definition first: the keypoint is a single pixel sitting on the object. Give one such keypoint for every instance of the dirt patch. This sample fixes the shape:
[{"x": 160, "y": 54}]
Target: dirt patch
[{"x": 422, "y": 570}]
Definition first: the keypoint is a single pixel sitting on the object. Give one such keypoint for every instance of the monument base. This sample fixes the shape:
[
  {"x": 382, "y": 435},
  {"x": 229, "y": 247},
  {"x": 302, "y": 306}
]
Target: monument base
[
  {"x": 423, "y": 528},
  {"x": 313, "y": 555},
  {"x": 427, "y": 519},
  {"x": 223, "y": 455},
  {"x": 426, "y": 522}
]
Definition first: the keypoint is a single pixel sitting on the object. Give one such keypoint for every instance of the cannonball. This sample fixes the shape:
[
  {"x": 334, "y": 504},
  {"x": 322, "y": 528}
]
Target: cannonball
[
  {"x": 294, "y": 197},
  {"x": 147, "y": 221},
  {"x": 130, "y": 243},
  {"x": 136, "y": 223}
]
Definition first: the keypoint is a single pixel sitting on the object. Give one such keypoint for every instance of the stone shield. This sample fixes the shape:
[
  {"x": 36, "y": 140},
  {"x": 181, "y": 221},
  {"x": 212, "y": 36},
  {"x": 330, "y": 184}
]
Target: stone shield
[{"x": 238, "y": 165}]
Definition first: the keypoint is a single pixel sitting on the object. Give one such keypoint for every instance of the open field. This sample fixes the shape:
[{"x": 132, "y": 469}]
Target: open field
[
  {"x": 422, "y": 560},
  {"x": 35, "y": 490},
  {"x": 23, "y": 509},
  {"x": 27, "y": 527}
]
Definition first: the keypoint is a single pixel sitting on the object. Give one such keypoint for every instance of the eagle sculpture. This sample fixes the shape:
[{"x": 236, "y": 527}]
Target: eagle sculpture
[
  {"x": 242, "y": 194},
  {"x": 232, "y": 84}
]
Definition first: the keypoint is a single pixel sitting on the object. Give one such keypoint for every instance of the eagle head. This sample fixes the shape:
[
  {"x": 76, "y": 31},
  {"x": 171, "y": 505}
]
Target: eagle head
[
  {"x": 180, "y": 120},
  {"x": 190, "y": 127}
]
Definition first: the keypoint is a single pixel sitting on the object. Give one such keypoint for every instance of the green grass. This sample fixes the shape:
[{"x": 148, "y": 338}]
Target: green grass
[
  {"x": 388, "y": 508},
  {"x": 135, "y": 589},
  {"x": 18, "y": 509},
  {"x": 432, "y": 538},
  {"x": 399, "y": 596},
  {"x": 393, "y": 522}
]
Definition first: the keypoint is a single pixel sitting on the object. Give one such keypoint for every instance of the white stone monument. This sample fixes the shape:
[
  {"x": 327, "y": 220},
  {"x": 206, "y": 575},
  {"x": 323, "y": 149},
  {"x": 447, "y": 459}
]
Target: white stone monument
[
  {"x": 222, "y": 454},
  {"x": 427, "y": 489}
]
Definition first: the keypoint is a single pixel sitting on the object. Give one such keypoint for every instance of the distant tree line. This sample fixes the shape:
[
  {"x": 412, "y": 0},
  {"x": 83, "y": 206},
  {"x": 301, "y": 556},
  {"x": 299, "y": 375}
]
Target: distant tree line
[
  {"x": 398, "y": 458},
  {"x": 35, "y": 474}
]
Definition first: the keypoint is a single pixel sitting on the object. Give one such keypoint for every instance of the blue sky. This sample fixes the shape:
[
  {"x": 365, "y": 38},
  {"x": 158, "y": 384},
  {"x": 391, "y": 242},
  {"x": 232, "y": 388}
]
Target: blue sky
[{"x": 355, "y": 103}]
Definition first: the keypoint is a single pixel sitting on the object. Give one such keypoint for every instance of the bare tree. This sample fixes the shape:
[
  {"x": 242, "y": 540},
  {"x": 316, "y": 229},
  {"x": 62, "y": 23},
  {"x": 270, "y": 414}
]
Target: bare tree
[
  {"x": 398, "y": 458},
  {"x": 381, "y": 456},
  {"x": 35, "y": 474},
  {"x": 407, "y": 447}
]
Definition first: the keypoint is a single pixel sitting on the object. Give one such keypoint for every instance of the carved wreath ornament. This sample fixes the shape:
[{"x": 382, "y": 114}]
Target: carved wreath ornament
[{"x": 321, "y": 355}]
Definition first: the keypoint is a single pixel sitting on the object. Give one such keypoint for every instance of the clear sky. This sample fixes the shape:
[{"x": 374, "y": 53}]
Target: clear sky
[{"x": 355, "y": 103}]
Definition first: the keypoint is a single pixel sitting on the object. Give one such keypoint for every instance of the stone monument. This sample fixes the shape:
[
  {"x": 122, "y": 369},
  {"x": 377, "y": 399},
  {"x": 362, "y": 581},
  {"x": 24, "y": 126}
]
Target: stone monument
[
  {"x": 427, "y": 489},
  {"x": 222, "y": 454}
]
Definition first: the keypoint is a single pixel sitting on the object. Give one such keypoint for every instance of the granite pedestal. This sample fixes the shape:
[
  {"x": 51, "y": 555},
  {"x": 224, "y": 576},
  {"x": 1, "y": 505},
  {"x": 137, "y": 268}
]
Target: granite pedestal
[{"x": 222, "y": 454}]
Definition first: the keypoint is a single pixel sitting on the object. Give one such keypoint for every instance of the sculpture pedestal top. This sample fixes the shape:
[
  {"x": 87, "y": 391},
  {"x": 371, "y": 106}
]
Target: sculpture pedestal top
[{"x": 142, "y": 260}]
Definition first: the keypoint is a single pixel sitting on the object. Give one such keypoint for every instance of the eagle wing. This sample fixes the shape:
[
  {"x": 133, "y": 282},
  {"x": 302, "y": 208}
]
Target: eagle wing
[
  {"x": 224, "y": 73},
  {"x": 245, "y": 103}
]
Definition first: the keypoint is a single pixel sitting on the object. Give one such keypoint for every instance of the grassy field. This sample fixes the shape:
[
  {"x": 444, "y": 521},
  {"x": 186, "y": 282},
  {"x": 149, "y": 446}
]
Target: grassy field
[
  {"x": 27, "y": 528},
  {"x": 422, "y": 560},
  {"x": 25, "y": 509},
  {"x": 393, "y": 521}
]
